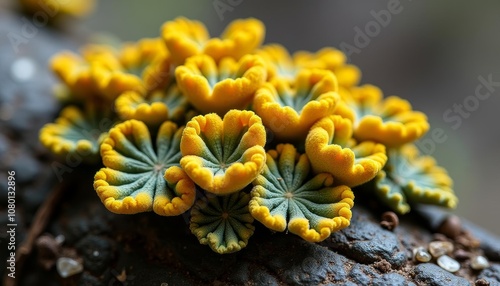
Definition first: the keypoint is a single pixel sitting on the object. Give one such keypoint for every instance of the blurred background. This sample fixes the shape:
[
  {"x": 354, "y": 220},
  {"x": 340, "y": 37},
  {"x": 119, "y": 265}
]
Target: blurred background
[{"x": 432, "y": 53}]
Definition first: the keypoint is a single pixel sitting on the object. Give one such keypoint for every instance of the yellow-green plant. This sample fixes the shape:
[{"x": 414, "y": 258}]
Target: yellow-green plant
[{"x": 232, "y": 132}]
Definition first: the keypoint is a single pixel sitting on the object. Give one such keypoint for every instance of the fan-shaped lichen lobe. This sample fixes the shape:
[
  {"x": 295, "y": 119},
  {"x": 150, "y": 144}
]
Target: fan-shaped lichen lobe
[
  {"x": 213, "y": 88},
  {"x": 412, "y": 178},
  {"x": 141, "y": 177},
  {"x": 75, "y": 132},
  {"x": 114, "y": 198},
  {"x": 334, "y": 152},
  {"x": 223, "y": 222},
  {"x": 390, "y": 121},
  {"x": 240, "y": 37},
  {"x": 330, "y": 59},
  {"x": 185, "y": 191},
  {"x": 290, "y": 109},
  {"x": 223, "y": 155},
  {"x": 285, "y": 197},
  {"x": 184, "y": 38}
]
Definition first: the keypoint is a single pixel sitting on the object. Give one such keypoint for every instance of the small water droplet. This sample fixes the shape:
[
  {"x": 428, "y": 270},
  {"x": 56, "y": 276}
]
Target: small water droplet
[
  {"x": 479, "y": 263},
  {"x": 438, "y": 248},
  {"x": 95, "y": 253},
  {"x": 447, "y": 263},
  {"x": 67, "y": 267},
  {"x": 23, "y": 69},
  {"x": 60, "y": 239},
  {"x": 421, "y": 255}
]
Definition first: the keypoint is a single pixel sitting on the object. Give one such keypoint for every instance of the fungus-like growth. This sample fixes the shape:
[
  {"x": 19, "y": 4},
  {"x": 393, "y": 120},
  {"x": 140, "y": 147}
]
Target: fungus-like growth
[
  {"x": 219, "y": 88},
  {"x": 411, "y": 178},
  {"x": 391, "y": 121},
  {"x": 143, "y": 67},
  {"x": 104, "y": 73},
  {"x": 240, "y": 37},
  {"x": 283, "y": 65},
  {"x": 76, "y": 73},
  {"x": 223, "y": 156},
  {"x": 290, "y": 109},
  {"x": 186, "y": 38},
  {"x": 76, "y": 132},
  {"x": 309, "y": 99},
  {"x": 140, "y": 177},
  {"x": 222, "y": 222},
  {"x": 154, "y": 108},
  {"x": 331, "y": 149},
  {"x": 285, "y": 197},
  {"x": 333, "y": 60}
]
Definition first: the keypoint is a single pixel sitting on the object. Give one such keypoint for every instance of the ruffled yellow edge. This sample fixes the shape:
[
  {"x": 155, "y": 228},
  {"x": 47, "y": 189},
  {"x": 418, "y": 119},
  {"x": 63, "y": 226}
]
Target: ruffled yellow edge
[
  {"x": 351, "y": 166},
  {"x": 439, "y": 176},
  {"x": 240, "y": 37},
  {"x": 330, "y": 59},
  {"x": 439, "y": 192},
  {"x": 113, "y": 82},
  {"x": 185, "y": 189},
  {"x": 176, "y": 179},
  {"x": 150, "y": 55},
  {"x": 285, "y": 122},
  {"x": 52, "y": 135},
  {"x": 109, "y": 195},
  {"x": 301, "y": 227},
  {"x": 132, "y": 105},
  {"x": 239, "y": 174},
  {"x": 184, "y": 38},
  {"x": 75, "y": 73},
  {"x": 235, "y": 92},
  {"x": 326, "y": 58},
  {"x": 405, "y": 125},
  {"x": 275, "y": 222}
]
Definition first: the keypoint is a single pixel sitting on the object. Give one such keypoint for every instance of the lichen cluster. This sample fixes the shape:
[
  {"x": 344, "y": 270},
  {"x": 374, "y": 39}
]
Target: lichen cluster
[{"x": 229, "y": 131}]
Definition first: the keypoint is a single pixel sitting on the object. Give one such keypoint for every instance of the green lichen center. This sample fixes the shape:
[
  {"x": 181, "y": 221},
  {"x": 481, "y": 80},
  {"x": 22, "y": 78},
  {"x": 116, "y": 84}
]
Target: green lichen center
[
  {"x": 297, "y": 99},
  {"x": 158, "y": 167},
  {"x": 137, "y": 70}
]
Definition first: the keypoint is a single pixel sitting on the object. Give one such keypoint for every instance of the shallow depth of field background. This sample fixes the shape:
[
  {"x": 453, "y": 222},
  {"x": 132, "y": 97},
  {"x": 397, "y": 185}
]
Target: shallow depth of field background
[{"x": 430, "y": 53}]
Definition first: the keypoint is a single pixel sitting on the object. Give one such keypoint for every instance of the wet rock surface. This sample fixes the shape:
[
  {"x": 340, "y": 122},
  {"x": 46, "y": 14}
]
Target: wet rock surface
[
  {"x": 491, "y": 274},
  {"x": 433, "y": 275},
  {"x": 365, "y": 241},
  {"x": 147, "y": 249}
]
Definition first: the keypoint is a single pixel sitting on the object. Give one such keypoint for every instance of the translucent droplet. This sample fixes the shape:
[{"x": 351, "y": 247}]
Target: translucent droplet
[
  {"x": 421, "y": 255},
  {"x": 447, "y": 263},
  {"x": 23, "y": 69},
  {"x": 67, "y": 267},
  {"x": 95, "y": 253},
  {"x": 479, "y": 263},
  {"x": 438, "y": 248},
  {"x": 60, "y": 239}
]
